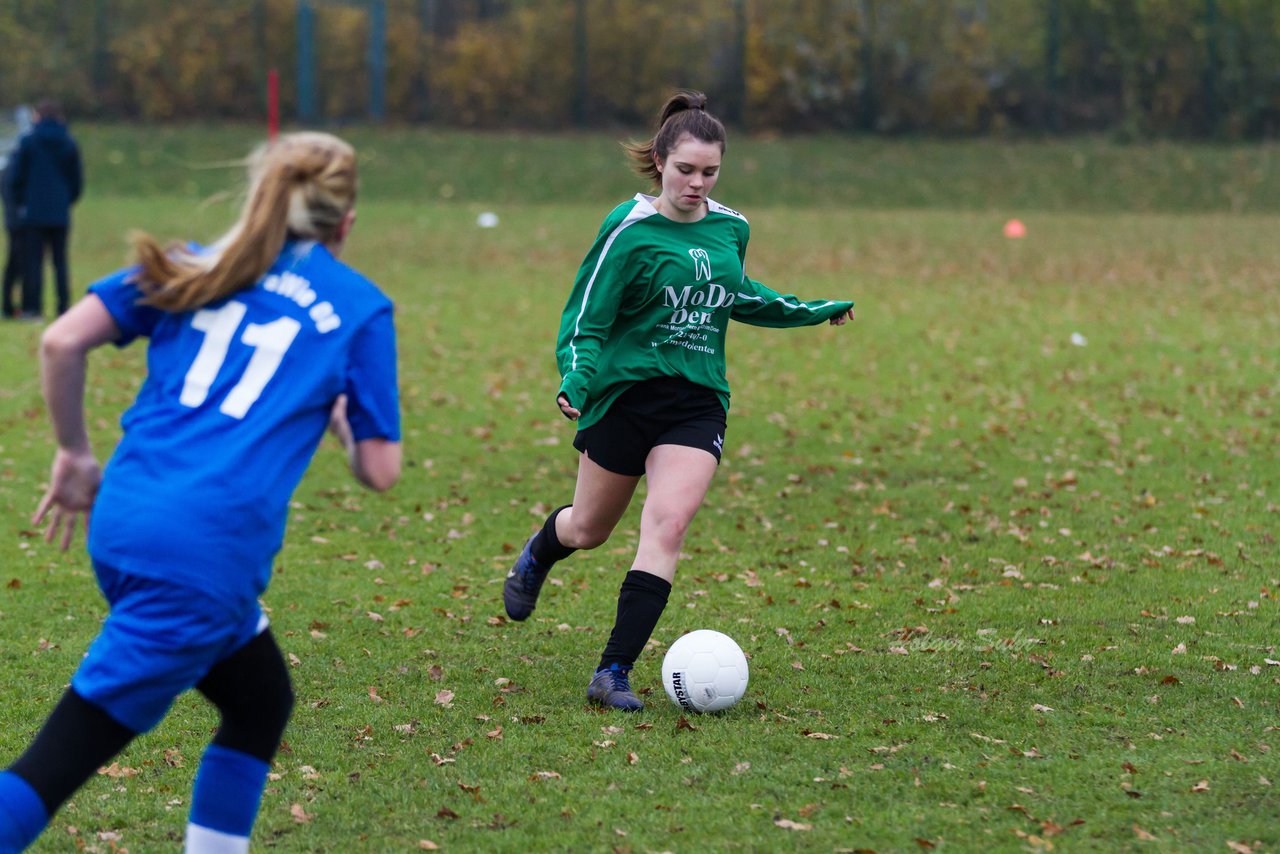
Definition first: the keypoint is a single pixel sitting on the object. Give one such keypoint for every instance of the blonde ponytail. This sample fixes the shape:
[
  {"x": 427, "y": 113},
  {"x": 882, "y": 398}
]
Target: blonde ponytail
[{"x": 301, "y": 186}]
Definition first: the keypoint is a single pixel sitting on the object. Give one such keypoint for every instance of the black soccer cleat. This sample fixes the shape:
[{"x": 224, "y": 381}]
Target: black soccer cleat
[
  {"x": 524, "y": 582},
  {"x": 611, "y": 688}
]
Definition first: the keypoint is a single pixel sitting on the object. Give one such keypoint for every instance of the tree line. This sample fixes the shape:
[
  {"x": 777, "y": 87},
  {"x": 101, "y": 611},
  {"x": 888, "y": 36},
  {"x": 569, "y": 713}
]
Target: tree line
[{"x": 1186, "y": 68}]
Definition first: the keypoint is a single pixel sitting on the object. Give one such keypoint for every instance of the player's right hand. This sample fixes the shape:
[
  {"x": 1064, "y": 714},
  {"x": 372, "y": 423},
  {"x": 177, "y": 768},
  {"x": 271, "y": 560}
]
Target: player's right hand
[
  {"x": 73, "y": 486},
  {"x": 569, "y": 412}
]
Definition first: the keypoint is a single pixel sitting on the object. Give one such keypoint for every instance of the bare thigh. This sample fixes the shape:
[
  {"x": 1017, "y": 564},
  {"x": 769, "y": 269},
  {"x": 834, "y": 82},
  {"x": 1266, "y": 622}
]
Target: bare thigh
[
  {"x": 599, "y": 500},
  {"x": 679, "y": 477}
]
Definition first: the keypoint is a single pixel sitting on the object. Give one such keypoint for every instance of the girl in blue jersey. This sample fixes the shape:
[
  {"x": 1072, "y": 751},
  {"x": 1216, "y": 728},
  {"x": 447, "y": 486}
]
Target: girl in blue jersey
[
  {"x": 641, "y": 353},
  {"x": 256, "y": 345}
]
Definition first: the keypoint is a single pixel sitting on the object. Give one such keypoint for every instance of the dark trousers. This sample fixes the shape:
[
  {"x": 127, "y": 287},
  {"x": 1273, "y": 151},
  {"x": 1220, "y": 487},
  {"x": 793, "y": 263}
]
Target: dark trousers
[
  {"x": 12, "y": 269},
  {"x": 37, "y": 238}
]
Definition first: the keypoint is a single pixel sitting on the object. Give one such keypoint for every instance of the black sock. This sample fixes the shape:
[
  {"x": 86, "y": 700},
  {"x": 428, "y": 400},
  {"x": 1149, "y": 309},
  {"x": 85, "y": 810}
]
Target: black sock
[
  {"x": 76, "y": 739},
  {"x": 641, "y": 600},
  {"x": 546, "y": 547}
]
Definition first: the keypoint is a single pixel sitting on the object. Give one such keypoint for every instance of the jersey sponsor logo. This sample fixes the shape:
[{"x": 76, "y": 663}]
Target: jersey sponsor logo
[
  {"x": 701, "y": 265},
  {"x": 693, "y": 305}
]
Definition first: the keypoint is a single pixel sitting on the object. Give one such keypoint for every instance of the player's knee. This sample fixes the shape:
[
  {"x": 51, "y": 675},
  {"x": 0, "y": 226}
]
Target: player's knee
[
  {"x": 670, "y": 530},
  {"x": 257, "y": 728},
  {"x": 591, "y": 538},
  {"x": 585, "y": 534},
  {"x": 280, "y": 708}
]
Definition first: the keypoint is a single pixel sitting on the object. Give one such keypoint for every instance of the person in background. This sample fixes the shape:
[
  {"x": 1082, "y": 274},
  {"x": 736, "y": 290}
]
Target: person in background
[
  {"x": 12, "y": 275},
  {"x": 45, "y": 179},
  {"x": 256, "y": 346},
  {"x": 641, "y": 353}
]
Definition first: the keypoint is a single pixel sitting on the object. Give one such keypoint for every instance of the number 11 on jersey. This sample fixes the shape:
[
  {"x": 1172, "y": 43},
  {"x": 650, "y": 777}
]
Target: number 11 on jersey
[{"x": 269, "y": 341}]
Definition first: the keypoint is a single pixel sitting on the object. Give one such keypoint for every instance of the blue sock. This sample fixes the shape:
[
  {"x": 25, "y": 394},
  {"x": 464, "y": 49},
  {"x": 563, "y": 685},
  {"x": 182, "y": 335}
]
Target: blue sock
[
  {"x": 22, "y": 813},
  {"x": 228, "y": 791}
]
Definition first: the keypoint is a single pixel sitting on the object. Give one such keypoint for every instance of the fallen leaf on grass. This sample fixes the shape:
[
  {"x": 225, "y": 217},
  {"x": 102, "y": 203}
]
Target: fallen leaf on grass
[
  {"x": 819, "y": 735},
  {"x": 427, "y": 845},
  {"x": 115, "y": 771},
  {"x": 1040, "y": 708},
  {"x": 544, "y": 775},
  {"x": 299, "y": 814},
  {"x": 1202, "y": 786},
  {"x": 444, "y": 697},
  {"x": 1143, "y": 835},
  {"x": 788, "y": 824}
]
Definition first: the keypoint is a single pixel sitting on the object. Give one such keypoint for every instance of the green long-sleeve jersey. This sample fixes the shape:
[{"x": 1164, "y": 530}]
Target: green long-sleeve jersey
[{"x": 654, "y": 297}]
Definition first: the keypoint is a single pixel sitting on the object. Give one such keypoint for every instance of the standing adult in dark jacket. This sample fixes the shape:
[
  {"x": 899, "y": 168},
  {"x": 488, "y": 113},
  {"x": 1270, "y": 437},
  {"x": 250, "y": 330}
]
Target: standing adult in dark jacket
[
  {"x": 13, "y": 260},
  {"x": 45, "y": 178}
]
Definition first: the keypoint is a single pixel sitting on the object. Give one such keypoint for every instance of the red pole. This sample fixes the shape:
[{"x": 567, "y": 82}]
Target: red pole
[{"x": 273, "y": 103}]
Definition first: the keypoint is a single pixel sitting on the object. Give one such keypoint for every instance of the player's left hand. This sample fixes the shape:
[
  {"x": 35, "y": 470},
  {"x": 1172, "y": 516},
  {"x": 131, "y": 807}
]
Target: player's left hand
[
  {"x": 841, "y": 320},
  {"x": 338, "y": 423},
  {"x": 73, "y": 485}
]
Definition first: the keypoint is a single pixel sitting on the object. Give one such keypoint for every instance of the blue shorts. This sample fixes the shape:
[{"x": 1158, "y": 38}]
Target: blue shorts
[{"x": 158, "y": 641}]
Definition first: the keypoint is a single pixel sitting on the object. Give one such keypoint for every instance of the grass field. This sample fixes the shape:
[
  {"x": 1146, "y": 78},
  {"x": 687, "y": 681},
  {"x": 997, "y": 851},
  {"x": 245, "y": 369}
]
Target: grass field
[{"x": 1001, "y": 552}]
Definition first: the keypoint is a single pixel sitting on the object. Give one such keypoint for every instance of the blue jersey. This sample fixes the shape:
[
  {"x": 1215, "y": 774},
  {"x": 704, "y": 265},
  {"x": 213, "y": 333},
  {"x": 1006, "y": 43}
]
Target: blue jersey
[{"x": 236, "y": 399}]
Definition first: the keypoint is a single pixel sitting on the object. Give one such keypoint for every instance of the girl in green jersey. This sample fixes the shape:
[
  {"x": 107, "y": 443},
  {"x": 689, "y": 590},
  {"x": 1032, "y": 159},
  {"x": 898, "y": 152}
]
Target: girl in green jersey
[{"x": 641, "y": 356}]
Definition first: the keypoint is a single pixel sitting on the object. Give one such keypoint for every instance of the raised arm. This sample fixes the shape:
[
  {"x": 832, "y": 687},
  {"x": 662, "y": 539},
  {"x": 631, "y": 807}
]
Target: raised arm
[{"x": 760, "y": 305}]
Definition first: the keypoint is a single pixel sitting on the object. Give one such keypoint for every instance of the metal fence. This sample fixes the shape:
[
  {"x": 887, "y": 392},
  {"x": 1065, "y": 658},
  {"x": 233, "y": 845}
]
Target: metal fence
[{"x": 1200, "y": 68}]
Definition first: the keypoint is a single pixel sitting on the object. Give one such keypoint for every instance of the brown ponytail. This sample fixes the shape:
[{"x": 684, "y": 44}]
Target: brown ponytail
[
  {"x": 685, "y": 112},
  {"x": 301, "y": 186}
]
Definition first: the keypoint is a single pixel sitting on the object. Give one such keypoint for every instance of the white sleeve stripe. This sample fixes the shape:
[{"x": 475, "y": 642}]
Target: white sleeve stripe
[
  {"x": 761, "y": 300},
  {"x": 632, "y": 218}
]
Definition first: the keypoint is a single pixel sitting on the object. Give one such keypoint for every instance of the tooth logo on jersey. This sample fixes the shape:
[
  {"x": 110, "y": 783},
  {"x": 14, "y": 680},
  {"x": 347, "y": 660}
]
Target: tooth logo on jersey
[{"x": 701, "y": 265}]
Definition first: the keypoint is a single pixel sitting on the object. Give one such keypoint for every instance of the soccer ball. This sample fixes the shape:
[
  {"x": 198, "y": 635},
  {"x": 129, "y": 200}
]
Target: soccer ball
[{"x": 704, "y": 671}]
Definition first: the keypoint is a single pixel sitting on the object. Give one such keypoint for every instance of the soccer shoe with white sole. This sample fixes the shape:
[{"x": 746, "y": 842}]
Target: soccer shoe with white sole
[
  {"x": 524, "y": 582},
  {"x": 611, "y": 688}
]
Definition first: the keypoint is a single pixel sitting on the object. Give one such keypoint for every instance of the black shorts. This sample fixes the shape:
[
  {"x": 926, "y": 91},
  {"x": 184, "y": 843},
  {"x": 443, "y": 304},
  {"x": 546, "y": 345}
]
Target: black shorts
[{"x": 660, "y": 411}]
